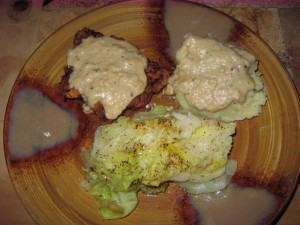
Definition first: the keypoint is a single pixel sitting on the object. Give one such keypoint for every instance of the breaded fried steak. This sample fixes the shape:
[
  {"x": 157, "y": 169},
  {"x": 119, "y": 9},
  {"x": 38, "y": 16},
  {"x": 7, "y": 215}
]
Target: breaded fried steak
[{"x": 110, "y": 75}]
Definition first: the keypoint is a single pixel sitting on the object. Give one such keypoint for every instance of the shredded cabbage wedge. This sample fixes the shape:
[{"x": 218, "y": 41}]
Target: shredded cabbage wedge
[{"x": 141, "y": 154}]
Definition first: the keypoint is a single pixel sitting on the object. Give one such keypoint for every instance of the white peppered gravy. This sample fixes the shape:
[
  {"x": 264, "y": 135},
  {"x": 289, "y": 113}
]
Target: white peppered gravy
[
  {"x": 210, "y": 74},
  {"x": 108, "y": 71}
]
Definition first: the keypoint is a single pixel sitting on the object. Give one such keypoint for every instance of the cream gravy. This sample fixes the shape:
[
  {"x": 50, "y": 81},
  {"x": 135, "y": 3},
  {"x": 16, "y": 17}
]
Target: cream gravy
[
  {"x": 108, "y": 71},
  {"x": 211, "y": 75}
]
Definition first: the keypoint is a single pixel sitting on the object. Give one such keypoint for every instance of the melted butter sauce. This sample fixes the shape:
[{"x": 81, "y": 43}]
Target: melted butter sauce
[
  {"x": 38, "y": 124},
  {"x": 234, "y": 205}
]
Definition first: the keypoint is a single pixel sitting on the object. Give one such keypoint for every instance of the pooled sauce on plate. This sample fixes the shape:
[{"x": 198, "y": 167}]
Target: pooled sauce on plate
[
  {"x": 108, "y": 71},
  {"x": 38, "y": 124},
  {"x": 210, "y": 74}
]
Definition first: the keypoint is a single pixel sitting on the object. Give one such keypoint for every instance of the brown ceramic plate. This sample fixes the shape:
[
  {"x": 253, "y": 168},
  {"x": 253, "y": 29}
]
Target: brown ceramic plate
[{"x": 45, "y": 136}]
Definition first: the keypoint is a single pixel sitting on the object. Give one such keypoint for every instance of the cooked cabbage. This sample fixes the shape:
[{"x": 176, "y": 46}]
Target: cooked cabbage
[
  {"x": 133, "y": 155},
  {"x": 213, "y": 185}
]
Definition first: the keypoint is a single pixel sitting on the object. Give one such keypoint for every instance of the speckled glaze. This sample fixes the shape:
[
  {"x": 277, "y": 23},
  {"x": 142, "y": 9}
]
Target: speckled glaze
[{"x": 266, "y": 148}]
